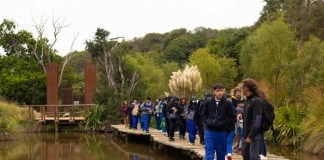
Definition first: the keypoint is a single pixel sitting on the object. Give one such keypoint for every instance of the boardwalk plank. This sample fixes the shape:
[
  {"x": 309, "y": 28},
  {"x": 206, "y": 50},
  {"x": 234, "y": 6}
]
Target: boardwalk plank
[{"x": 197, "y": 149}]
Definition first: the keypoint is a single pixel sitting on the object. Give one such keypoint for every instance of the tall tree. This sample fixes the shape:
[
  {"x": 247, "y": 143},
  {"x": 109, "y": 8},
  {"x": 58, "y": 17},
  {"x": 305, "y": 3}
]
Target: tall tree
[
  {"x": 109, "y": 55},
  {"x": 271, "y": 49}
]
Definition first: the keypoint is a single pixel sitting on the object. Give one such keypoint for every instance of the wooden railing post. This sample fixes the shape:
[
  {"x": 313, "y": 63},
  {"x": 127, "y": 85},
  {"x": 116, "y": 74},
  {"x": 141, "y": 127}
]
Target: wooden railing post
[{"x": 29, "y": 113}]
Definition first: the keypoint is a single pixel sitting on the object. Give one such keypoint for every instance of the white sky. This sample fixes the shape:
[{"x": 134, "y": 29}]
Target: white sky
[{"x": 129, "y": 18}]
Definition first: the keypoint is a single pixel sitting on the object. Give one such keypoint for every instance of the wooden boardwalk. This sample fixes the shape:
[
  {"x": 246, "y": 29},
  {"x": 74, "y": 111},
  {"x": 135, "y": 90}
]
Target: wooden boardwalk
[{"x": 196, "y": 149}]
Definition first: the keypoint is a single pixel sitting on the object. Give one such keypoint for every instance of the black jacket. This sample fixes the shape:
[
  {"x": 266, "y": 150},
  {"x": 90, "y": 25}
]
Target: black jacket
[
  {"x": 219, "y": 117},
  {"x": 170, "y": 106},
  {"x": 253, "y": 110}
]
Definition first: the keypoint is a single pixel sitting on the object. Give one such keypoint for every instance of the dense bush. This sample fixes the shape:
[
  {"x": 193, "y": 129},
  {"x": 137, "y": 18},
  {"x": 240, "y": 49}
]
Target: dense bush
[
  {"x": 288, "y": 124},
  {"x": 11, "y": 116},
  {"x": 313, "y": 125}
]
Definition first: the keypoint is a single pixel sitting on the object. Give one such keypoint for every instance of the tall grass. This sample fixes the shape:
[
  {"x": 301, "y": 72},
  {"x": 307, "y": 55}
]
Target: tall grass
[
  {"x": 313, "y": 125},
  {"x": 11, "y": 116},
  {"x": 288, "y": 124}
]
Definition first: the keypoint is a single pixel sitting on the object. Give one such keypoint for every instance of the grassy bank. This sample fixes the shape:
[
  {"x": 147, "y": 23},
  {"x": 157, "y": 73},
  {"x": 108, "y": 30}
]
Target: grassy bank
[{"x": 11, "y": 119}]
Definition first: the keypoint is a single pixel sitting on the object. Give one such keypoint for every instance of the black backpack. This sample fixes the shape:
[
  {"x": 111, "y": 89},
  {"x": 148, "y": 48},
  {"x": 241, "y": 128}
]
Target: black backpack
[{"x": 268, "y": 116}]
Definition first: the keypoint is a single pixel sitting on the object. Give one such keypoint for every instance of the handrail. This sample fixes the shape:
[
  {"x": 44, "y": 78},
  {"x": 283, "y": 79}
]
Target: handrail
[
  {"x": 56, "y": 113},
  {"x": 60, "y": 105}
]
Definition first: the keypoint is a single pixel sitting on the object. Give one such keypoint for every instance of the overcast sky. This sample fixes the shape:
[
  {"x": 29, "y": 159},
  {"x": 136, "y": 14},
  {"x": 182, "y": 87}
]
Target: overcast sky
[{"x": 129, "y": 18}]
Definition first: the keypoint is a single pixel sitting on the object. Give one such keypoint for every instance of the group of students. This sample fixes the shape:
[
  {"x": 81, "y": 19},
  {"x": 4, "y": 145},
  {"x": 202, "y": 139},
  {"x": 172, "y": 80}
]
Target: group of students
[{"x": 217, "y": 118}]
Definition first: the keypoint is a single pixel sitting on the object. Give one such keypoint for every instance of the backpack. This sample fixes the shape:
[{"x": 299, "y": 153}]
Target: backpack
[
  {"x": 135, "y": 110},
  {"x": 268, "y": 116}
]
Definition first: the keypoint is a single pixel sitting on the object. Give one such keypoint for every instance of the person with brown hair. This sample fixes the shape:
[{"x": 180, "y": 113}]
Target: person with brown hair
[
  {"x": 123, "y": 110},
  {"x": 253, "y": 134},
  {"x": 181, "y": 117}
]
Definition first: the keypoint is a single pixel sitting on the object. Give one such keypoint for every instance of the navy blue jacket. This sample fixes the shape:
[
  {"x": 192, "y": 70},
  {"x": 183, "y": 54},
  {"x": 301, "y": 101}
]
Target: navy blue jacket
[{"x": 219, "y": 117}]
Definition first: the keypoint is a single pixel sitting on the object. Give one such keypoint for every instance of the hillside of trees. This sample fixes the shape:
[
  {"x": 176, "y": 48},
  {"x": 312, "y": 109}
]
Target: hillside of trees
[{"x": 283, "y": 50}]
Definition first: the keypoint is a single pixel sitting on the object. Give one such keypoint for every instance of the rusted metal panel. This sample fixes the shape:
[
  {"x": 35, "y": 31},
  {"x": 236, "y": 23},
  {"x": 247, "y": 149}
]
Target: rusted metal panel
[
  {"x": 67, "y": 95},
  {"x": 52, "y": 89},
  {"x": 90, "y": 83}
]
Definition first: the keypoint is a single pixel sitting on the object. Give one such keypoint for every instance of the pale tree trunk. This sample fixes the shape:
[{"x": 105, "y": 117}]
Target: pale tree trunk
[
  {"x": 66, "y": 60},
  {"x": 46, "y": 50}
]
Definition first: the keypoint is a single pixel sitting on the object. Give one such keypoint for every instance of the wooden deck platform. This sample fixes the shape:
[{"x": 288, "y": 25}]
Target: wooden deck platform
[{"x": 196, "y": 149}]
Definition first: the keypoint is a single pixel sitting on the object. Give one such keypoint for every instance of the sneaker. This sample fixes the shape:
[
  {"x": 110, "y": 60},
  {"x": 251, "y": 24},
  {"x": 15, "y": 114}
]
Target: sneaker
[
  {"x": 262, "y": 157},
  {"x": 202, "y": 142},
  {"x": 228, "y": 156},
  {"x": 171, "y": 139},
  {"x": 164, "y": 133},
  {"x": 191, "y": 143}
]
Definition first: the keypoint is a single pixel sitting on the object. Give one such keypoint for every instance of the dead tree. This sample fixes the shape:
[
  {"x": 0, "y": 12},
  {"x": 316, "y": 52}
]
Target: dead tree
[{"x": 42, "y": 50}]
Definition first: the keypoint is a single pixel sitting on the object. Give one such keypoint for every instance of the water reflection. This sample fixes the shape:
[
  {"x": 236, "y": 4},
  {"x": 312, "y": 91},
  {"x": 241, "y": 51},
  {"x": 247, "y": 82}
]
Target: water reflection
[
  {"x": 75, "y": 146},
  {"x": 292, "y": 153}
]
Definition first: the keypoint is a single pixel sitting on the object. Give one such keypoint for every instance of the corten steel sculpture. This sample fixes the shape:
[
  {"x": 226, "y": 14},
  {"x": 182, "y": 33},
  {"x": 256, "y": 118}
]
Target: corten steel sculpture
[
  {"x": 90, "y": 83},
  {"x": 67, "y": 94},
  {"x": 52, "y": 89}
]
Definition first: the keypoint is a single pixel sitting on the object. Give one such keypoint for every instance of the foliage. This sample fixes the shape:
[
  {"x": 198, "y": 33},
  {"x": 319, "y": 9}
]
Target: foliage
[
  {"x": 213, "y": 69},
  {"x": 94, "y": 118},
  {"x": 22, "y": 80},
  {"x": 228, "y": 42},
  {"x": 185, "y": 83},
  {"x": 10, "y": 117},
  {"x": 101, "y": 117},
  {"x": 305, "y": 16},
  {"x": 15, "y": 42},
  {"x": 272, "y": 42},
  {"x": 208, "y": 67},
  {"x": 154, "y": 77},
  {"x": 308, "y": 68},
  {"x": 179, "y": 49},
  {"x": 313, "y": 124},
  {"x": 288, "y": 124}
]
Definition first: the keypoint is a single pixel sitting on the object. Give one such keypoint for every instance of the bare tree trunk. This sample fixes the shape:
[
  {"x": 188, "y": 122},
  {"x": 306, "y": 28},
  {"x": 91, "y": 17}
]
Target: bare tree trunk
[
  {"x": 276, "y": 88},
  {"x": 67, "y": 59},
  {"x": 133, "y": 84}
]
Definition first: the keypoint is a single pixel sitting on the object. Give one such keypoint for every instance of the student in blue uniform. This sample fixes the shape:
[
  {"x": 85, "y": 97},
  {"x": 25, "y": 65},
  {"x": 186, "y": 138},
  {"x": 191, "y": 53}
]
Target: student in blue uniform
[
  {"x": 191, "y": 126},
  {"x": 135, "y": 106},
  {"x": 147, "y": 110},
  {"x": 219, "y": 117}
]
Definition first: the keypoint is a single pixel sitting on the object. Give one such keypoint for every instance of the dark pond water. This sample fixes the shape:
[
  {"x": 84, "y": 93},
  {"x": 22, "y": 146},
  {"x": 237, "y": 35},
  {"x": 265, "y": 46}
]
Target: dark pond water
[
  {"x": 78, "y": 146},
  {"x": 292, "y": 153}
]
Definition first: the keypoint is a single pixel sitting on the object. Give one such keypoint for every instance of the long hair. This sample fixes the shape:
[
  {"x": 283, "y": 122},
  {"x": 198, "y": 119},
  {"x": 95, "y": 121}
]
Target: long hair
[
  {"x": 183, "y": 98},
  {"x": 252, "y": 85}
]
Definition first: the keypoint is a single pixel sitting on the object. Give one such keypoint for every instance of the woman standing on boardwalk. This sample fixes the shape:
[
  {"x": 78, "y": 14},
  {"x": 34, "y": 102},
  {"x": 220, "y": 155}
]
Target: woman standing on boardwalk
[
  {"x": 253, "y": 118},
  {"x": 123, "y": 110}
]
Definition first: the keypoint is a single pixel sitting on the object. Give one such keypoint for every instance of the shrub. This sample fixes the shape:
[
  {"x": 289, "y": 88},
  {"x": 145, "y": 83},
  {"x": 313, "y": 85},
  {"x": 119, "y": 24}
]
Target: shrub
[
  {"x": 313, "y": 124},
  {"x": 11, "y": 116},
  {"x": 288, "y": 124}
]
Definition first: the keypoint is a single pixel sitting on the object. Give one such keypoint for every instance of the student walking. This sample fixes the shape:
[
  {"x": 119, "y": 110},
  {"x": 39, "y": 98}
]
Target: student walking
[
  {"x": 238, "y": 104},
  {"x": 218, "y": 116},
  {"x": 123, "y": 110},
  {"x": 147, "y": 110},
  {"x": 181, "y": 118},
  {"x": 191, "y": 126},
  {"x": 172, "y": 110},
  {"x": 230, "y": 135},
  {"x": 135, "y": 113},
  {"x": 253, "y": 115},
  {"x": 158, "y": 113},
  {"x": 167, "y": 101}
]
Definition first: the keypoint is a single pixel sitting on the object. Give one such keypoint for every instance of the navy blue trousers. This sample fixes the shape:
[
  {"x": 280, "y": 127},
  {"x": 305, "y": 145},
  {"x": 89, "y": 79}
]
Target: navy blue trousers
[{"x": 215, "y": 141}]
